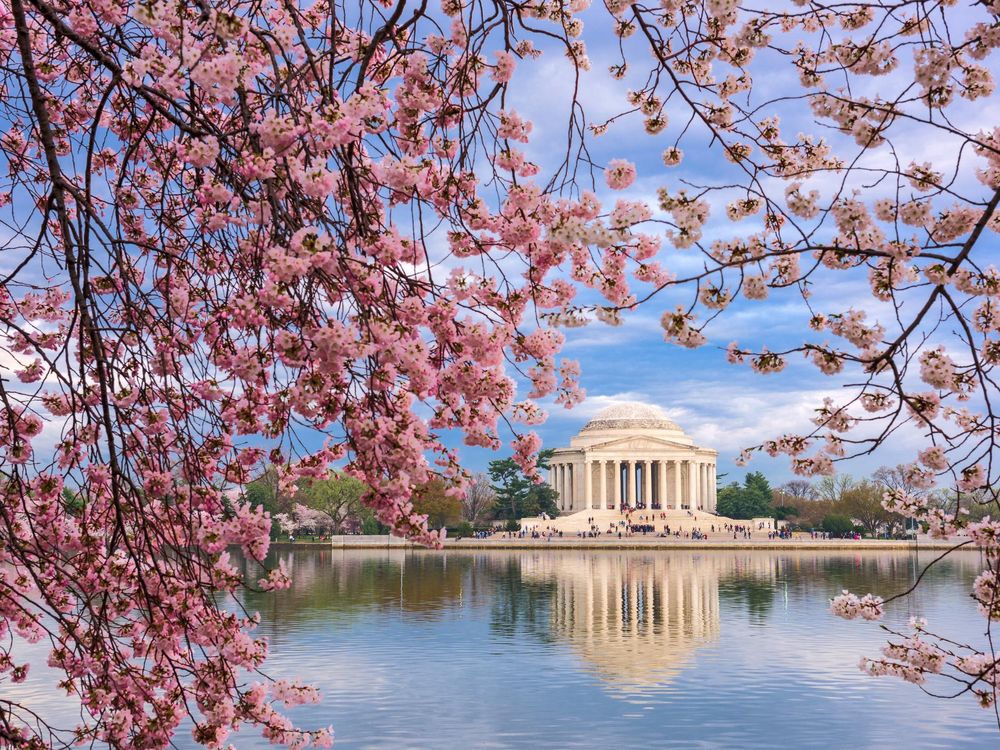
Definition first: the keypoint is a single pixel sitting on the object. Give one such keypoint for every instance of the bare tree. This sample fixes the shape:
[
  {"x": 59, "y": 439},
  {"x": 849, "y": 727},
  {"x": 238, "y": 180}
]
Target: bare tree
[
  {"x": 834, "y": 487},
  {"x": 897, "y": 478},
  {"x": 800, "y": 488},
  {"x": 480, "y": 498}
]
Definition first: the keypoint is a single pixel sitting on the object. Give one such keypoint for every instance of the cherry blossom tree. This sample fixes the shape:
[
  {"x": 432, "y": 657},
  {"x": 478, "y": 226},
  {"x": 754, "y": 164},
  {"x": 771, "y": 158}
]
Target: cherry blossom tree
[
  {"x": 240, "y": 234},
  {"x": 288, "y": 522},
  {"x": 310, "y": 520}
]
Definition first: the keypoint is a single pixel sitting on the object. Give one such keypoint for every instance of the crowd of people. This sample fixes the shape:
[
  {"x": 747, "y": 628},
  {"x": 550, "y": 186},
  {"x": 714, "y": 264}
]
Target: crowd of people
[
  {"x": 485, "y": 533},
  {"x": 547, "y": 533},
  {"x": 645, "y": 524},
  {"x": 827, "y": 535},
  {"x": 641, "y": 524}
]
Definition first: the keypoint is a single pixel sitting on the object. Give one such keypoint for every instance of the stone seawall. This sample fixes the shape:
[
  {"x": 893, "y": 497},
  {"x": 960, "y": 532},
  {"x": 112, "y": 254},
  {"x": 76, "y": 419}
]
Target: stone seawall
[
  {"x": 299, "y": 545},
  {"x": 641, "y": 543}
]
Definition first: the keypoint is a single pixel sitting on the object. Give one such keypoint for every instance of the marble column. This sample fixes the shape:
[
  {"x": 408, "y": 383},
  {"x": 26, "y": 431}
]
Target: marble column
[
  {"x": 587, "y": 484},
  {"x": 555, "y": 480},
  {"x": 574, "y": 493},
  {"x": 678, "y": 492},
  {"x": 617, "y": 480},
  {"x": 557, "y": 468},
  {"x": 571, "y": 492},
  {"x": 567, "y": 486},
  {"x": 661, "y": 481},
  {"x": 647, "y": 485},
  {"x": 713, "y": 488},
  {"x": 631, "y": 483},
  {"x": 562, "y": 486},
  {"x": 602, "y": 484},
  {"x": 571, "y": 482},
  {"x": 710, "y": 480},
  {"x": 693, "y": 485}
]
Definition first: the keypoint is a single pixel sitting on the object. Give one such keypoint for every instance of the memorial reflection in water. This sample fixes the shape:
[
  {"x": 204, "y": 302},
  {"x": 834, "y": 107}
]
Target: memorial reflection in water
[
  {"x": 635, "y": 619},
  {"x": 586, "y": 649}
]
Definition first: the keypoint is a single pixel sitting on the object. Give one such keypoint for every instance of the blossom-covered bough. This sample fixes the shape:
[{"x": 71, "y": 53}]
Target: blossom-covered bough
[{"x": 281, "y": 233}]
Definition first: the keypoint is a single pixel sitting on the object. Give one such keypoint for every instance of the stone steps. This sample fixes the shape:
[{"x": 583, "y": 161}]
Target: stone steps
[{"x": 603, "y": 519}]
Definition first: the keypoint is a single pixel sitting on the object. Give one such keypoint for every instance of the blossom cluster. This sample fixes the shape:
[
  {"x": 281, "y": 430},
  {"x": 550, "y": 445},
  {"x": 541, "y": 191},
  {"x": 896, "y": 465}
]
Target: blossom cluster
[
  {"x": 243, "y": 214},
  {"x": 850, "y": 606}
]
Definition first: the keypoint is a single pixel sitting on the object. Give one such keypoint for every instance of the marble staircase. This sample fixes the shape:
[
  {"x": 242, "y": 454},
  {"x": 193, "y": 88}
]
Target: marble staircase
[{"x": 573, "y": 523}]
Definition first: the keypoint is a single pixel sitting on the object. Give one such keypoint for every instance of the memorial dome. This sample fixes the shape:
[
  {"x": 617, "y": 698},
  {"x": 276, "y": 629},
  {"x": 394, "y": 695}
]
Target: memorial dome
[
  {"x": 630, "y": 415},
  {"x": 631, "y": 454}
]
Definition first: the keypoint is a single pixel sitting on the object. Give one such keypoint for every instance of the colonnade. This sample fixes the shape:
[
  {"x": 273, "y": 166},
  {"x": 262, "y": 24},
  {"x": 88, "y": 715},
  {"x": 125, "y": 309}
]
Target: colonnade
[
  {"x": 654, "y": 484},
  {"x": 636, "y": 618}
]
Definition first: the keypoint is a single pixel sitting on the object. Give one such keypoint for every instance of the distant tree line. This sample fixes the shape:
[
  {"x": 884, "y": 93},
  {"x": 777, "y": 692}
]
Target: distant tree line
[
  {"x": 838, "y": 504},
  {"x": 335, "y": 505},
  {"x": 318, "y": 507}
]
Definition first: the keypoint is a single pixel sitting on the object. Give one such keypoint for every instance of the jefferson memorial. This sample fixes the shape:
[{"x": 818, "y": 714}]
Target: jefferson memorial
[
  {"x": 631, "y": 461},
  {"x": 632, "y": 456}
]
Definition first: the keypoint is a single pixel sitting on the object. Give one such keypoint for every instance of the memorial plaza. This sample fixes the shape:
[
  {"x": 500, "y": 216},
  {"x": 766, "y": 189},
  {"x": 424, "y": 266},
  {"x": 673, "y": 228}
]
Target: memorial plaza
[{"x": 631, "y": 464}]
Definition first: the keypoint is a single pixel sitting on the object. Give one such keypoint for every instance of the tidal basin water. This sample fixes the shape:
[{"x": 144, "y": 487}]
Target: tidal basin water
[
  {"x": 608, "y": 649},
  {"x": 599, "y": 649}
]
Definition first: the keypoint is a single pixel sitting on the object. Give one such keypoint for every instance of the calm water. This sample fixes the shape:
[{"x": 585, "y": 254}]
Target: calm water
[{"x": 596, "y": 649}]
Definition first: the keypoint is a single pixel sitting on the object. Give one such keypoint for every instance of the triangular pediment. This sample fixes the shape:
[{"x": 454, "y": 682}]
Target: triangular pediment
[{"x": 639, "y": 443}]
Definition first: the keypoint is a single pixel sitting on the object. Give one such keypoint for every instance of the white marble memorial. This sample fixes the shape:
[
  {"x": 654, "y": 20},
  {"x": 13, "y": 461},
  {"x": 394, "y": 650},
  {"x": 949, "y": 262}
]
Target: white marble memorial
[{"x": 631, "y": 455}]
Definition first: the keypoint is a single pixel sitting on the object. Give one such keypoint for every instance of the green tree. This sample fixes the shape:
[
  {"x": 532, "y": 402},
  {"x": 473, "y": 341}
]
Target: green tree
[
  {"x": 751, "y": 500},
  {"x": 863, "y": 504},
  {"x": 759, "y": 494},
  {"x": 73, "y": 501},
  {"x": 371, "y": 525},
  {"x": 837, "y": 525},
  {"x": 264, "y": 491},
  {"x": 516, "y": 495},
  {"x": 784, "y": 512},
  {"x": 728, "y": 500},
  {"x": 339, "y": 498},
  {"x": 442, "y": 509}
]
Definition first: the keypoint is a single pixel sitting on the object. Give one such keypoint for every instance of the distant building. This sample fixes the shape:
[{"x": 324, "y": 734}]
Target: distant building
[{"x": 631, "y": 455}]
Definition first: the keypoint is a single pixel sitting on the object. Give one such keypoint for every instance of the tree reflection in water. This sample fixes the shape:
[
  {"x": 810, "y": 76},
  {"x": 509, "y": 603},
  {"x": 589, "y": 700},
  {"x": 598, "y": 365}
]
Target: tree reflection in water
[
  {"x": 520, "y": 605},
  {"x": 635, "y": 618},
  {"x": 570, "y": 644},
  {"x": 341, "y": 585}
]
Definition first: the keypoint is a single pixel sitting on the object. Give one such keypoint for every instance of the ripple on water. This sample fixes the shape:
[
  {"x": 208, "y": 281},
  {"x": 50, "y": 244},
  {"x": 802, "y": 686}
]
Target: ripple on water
[{"x": 602, "y": 649}]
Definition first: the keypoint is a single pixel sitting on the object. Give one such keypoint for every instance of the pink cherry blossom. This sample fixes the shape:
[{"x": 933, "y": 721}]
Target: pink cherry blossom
[
  {"x": 280, "y": 238},
  {"x": 619, "y": 174}
]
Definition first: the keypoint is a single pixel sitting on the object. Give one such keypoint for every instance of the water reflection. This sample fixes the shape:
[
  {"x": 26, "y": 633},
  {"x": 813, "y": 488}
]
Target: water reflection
[
  {"x": 635, "y": 619},
  {"x": 343, "y": 585},
  {"x": 585, "y": 649}
]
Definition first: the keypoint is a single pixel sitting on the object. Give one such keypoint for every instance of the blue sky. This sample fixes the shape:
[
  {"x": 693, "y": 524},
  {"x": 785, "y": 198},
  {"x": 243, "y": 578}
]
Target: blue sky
[{"x": 721, "y": 406}]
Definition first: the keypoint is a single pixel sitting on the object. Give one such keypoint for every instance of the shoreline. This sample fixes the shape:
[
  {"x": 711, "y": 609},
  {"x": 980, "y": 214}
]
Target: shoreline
[{"x": 633, "y": 543}]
